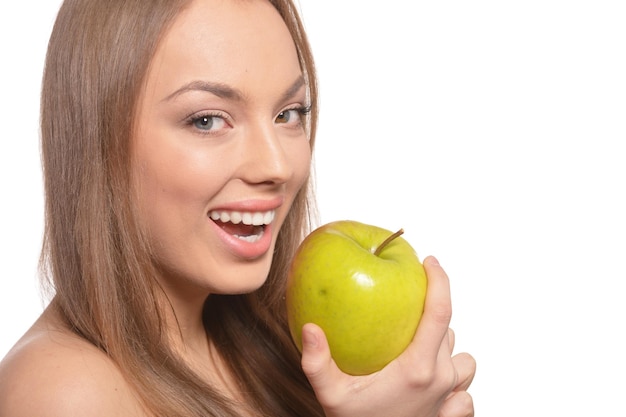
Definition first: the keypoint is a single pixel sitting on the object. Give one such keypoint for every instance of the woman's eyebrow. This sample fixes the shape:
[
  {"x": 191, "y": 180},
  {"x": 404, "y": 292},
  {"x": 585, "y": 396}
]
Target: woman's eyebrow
[
  {"x": 218, "y": 89},
  {"x": 225, "y": 91},
  {"x": 293, "y": 88}
]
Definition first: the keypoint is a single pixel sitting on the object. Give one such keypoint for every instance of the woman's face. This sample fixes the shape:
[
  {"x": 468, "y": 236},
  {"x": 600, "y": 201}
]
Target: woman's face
[{"x": 220, "y": 149}]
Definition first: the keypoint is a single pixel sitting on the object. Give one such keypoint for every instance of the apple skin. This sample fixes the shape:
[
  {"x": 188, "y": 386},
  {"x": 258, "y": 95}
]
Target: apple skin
[{"x": 368, "y": 305}]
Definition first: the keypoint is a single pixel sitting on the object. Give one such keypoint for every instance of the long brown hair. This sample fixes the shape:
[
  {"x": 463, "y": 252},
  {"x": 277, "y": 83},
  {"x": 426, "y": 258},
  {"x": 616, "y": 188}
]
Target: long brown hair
[{"x": 94, "y": 255}]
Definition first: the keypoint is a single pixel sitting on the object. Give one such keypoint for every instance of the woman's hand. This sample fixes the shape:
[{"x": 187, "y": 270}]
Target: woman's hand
[{"x": 424, "y": 381}]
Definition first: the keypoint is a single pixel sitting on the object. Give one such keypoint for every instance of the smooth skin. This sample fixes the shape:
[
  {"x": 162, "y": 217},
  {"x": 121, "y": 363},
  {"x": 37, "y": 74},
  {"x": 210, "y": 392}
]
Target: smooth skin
[
  {"x": 230, "y": 142},
  {"x": 219, "y": 128},
  {"x": 425, "y": 381},
  {"x": 52, "y": 373}
]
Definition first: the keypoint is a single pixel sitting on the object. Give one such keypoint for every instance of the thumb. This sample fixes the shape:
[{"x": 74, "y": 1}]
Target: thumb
[{"x": 317, "y": 362}]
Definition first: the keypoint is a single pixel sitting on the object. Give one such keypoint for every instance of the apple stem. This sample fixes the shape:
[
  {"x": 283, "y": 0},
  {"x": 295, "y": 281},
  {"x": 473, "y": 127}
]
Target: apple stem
[{"x": 380, "y": 247}]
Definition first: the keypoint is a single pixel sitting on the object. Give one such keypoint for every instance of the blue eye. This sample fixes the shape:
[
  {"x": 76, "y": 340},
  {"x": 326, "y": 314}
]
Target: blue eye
[{"x": 208, "y": 122}]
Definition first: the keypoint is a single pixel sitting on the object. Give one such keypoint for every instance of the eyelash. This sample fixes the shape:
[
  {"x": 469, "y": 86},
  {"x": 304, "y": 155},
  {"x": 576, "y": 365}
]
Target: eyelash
[
  {"x": 190, "y": 121},
  {"x": 302, "y": 111}
]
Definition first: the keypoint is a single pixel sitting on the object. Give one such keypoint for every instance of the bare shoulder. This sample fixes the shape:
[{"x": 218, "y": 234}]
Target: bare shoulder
[{"x": 51, "y": 372}]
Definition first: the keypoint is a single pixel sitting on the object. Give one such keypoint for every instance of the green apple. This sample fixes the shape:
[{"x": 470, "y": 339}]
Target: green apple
[{"x": 364, "y": 286}]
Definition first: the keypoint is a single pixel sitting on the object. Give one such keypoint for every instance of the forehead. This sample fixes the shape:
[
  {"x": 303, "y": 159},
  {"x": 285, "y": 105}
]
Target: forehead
[{"x": 237, "y": 42}]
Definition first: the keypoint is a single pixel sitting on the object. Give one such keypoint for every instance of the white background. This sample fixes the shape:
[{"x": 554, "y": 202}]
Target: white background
[{"x": 493, "y": 132}]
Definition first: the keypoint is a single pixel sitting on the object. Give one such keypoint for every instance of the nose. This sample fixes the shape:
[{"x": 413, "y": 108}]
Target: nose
[{"x": 265, "y": 157}]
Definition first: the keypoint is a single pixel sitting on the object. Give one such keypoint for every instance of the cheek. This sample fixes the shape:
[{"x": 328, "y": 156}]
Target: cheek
[
  {"x": 301, "y": 155},
  {"x": 173, "y": 189},
  {"x": 171, "y": 166}
]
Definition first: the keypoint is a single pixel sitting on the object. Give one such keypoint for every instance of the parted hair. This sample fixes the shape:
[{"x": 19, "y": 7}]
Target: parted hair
[{"x": 95, "y": 257}]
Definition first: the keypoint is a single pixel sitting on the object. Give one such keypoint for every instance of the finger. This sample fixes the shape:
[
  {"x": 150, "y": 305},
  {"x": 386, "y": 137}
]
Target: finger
[
  {"x": 459, "y": 404},
  {"x": 317, "y": 363},
  {"x": 465, "y": 366},
  {"x": 433, "y": 326},
  {"x": 451, "y": 339}
]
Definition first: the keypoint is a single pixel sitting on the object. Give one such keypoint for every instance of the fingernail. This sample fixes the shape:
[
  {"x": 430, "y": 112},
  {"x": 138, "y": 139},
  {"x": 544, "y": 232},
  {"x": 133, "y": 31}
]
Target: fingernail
[
  {"x": 432, "y": 261},
  {"x": 308, "y": 338}
]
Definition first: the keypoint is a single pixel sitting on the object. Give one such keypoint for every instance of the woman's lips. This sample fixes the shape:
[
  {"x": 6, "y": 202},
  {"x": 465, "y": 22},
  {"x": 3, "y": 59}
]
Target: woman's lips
[{"x": 247, "y": 234}]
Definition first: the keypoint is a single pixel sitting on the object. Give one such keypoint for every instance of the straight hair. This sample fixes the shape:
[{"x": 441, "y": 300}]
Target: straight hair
[{"x": 95, "y": 258}]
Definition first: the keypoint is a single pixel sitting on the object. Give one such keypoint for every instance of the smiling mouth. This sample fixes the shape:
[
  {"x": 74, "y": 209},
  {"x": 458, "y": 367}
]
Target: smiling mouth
[{"x": 247, "y": 226}]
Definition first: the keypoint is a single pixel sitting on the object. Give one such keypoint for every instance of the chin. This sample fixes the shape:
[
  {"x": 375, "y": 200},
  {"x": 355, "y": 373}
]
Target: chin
[{"x": 243, "y": 280}]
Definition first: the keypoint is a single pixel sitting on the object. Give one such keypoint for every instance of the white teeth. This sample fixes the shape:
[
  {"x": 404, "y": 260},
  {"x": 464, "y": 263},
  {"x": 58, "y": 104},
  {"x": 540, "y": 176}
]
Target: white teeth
[
  {"x": 235, "y": 217},
  {"x": 257, "y": 218},
  {"x": 251, "y": 238}
]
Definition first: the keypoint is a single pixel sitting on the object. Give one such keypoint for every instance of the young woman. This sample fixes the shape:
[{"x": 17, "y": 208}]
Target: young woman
[{"x": 176, "y": 140}]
